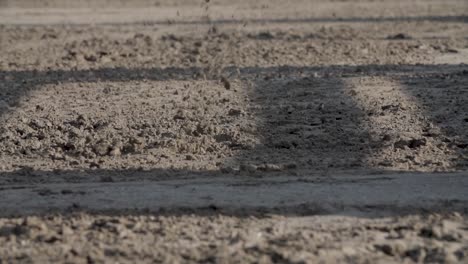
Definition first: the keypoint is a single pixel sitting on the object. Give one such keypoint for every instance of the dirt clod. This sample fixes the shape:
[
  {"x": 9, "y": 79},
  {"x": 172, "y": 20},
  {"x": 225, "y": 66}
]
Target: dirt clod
[
  {"x": 400, "y": 36},
  {"x": 226, "y": 83}
]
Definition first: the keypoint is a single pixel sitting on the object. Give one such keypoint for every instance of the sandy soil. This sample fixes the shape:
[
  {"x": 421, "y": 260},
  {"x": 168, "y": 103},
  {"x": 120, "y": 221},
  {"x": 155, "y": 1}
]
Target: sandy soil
[
  {"x": 116, "y": 91},
  {"x": 208, "y": 238}
]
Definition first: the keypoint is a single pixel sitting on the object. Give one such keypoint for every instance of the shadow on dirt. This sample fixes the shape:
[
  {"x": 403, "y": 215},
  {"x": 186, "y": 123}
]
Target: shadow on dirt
[
  {"x": 443, "y": 97},
  {"x": 363, "y": 196},
  {"x": 307, "y": 117},
  {"x": 303, "y": 114}
]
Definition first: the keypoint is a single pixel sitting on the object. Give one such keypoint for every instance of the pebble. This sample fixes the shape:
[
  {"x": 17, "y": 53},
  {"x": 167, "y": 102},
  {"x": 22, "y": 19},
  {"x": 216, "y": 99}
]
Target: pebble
[
  {"x": 431, "y": 232},
  {"x": 399, "y": 36},
  {"x": 101, "y": 148},
  {"x": 386, "y": 137},
  {"x": 416, "y": 254},
  {"x": 180, "y": 115},
  {"x": 35, "y": 145},
  {"x": 385, "y": 248},
  {"x": 226, "y": 83},
  {"x": 66, "y": 230},
  {"x": 234, "y": 112},
  {"x": 115, "y": 152},
  {"x": 448, "y": 226},
  {"x": 349, "y": 251},
  {"x": 396, "y": 248},
  {"x": 412, "y": 143}
]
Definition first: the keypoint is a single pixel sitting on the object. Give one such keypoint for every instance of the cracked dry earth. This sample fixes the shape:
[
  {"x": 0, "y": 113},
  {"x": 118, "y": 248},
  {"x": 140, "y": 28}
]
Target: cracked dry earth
[{"x": 187, "y": 89}]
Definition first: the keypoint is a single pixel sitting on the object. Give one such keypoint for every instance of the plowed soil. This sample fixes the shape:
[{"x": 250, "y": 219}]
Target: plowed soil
[{"x": 118, "y": 91}]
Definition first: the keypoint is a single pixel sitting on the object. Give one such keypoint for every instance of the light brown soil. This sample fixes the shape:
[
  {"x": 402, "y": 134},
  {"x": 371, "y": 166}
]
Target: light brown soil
[
  {"x": 84, "y": 238},
  {"x": 101, "y": 91}
]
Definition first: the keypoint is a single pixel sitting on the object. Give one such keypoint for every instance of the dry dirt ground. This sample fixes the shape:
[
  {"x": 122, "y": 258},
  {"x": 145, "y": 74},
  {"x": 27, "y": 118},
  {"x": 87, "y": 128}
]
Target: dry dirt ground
[{"x": 103, "y": 93}]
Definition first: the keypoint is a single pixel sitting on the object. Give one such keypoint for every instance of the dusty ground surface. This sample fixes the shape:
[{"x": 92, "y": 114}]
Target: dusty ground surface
[
  {"x": 118, "y": 91},
  {"x": 208, "y": 238}
]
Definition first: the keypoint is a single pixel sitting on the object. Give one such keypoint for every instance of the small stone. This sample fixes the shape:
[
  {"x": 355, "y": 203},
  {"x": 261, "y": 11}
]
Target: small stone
[
  {"x": 349, "y": 251},
  {"x": 412, "y": 143},
  {"x": 66, "y": 230},
  {"x": 115, "y": 152},
  {"x": 431, "y": 232},
  {"x": 101, "y": 148},
  {"x": 451, "y": 50},
  {"x": 180, "y": 115},
  {"x": 450, "y": 231},
  {"x": 400, "y": 144},
  {"x": 416, "y": 254},
  {"x": 394, "y": 249},
  {"x": 448, "y": 226},
  {"x": 94, "y": 165},
  {"x": 386, "y": 137},
  {"x": 452, "y": 236},
  {"x": 234, "y": 112},
  {"x": 90, "y": 58},
  {"x": 416, "y": 143},
  {"x": 57, "y": 156},
  {"x": 106, "y": 59},
  {"x": 399, "y": 36},
  {"x": 37, "y": 124},
  {"x": 35, "y": 145},
  {"x": 385, "y": 248},
  {"x": 189, "y": 157},
  {"x": 226, "y": 83}
]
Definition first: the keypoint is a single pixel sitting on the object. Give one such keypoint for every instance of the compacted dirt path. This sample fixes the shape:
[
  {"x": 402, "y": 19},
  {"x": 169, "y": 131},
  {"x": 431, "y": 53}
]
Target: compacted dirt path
[{"x": 220, "y": 131}]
